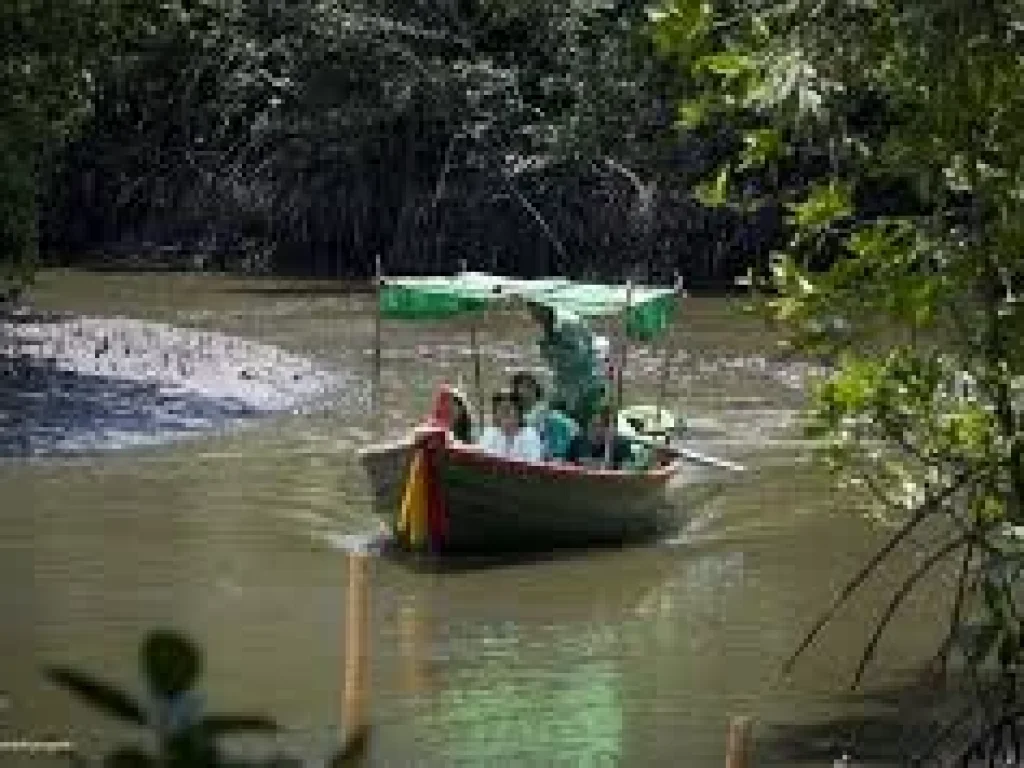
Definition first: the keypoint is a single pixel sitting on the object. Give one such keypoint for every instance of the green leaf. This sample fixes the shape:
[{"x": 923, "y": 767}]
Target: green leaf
[
  {"x": 760, "y": 147},
  {"x": 784, "y": 309},
  {"x": 678, "y": 25},
  {"x": 852, "y": 387},
  {"x": 729, "y": 64},
  {"x": 825, "y": 204},
  {"x": 101, "y": 695},
  {"x": 988, "y": 509},
  {"x": 713, "y": 194},
  {"x": 693, "y": 113},
  {"x": 881, "y": 240}
]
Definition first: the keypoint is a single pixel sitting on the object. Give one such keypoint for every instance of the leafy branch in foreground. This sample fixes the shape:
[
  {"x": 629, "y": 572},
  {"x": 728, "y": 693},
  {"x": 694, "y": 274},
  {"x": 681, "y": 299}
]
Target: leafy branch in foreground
[
  {"x": 919, "y": 312},
  {"x": 171, "y": 665}
]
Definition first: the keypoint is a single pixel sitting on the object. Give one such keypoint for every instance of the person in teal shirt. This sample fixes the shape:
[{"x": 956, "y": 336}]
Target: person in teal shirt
[
  {"x": 556, "y": 429},
  {"x": 568, "y": 348}
]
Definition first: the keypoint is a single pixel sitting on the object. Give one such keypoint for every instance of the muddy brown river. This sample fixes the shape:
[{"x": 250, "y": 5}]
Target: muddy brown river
[{"x": 634, "y": 657}]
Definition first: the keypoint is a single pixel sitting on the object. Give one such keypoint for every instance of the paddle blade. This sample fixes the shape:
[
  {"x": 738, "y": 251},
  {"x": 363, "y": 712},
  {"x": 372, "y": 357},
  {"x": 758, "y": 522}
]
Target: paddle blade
[
  {"x": 99, "y": 694},
  {"x": 708, "y": 461}
]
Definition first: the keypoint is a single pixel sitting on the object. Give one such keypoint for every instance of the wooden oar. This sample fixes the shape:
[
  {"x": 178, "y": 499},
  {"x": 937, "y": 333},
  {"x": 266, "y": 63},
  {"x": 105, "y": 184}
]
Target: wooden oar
[
  {"x": 702, "y": 458},
  {"x": 691, "y": 455}
]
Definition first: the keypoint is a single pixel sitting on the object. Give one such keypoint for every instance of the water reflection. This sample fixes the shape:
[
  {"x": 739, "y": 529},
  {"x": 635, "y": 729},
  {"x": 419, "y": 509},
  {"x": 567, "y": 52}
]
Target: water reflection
[
  {"x": 496, "y": 710},
  {"x": 510, "y": 683},
  {"x": 550, "y": 671}
]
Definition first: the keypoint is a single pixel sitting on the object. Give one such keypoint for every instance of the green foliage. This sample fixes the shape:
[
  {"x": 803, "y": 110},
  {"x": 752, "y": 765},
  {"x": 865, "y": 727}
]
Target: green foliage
[
  {"x": 368, "y": 122},
  {"x": 760, "y": 147},
  {"x": 824, "y": 204},
  {"x": 49, "y": 54},
  {"x": 918, "y": 313}
]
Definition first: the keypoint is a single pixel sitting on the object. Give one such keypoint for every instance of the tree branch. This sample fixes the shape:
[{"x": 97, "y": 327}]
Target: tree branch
[
  {"x": 897, "y": 600},
  {"x": 926, "y": 509},
  {"x": 942, "y": 657}
]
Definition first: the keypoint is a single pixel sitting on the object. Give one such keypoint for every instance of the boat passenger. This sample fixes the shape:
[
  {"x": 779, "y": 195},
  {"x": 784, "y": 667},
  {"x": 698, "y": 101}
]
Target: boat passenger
[
  {"x": 556, "y": 429},
  {"x": 509, "y": 436},
  {"x": 588, "y": 448},
  {"x": 568, "y": 349}
]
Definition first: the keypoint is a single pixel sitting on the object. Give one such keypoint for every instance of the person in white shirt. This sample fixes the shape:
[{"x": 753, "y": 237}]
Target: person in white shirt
[{"x": 509, "y": 436}]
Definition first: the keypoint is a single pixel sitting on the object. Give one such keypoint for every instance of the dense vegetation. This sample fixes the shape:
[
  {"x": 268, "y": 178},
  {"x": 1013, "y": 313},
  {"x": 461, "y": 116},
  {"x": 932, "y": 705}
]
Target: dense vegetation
[
  {"x": 920, "y": 310},
  {"x": 309, "y": 137}
]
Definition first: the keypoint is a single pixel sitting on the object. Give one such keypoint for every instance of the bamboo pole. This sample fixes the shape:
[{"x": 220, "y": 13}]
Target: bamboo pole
[
  {"x": 378, "y": 282},
  {"x": 478, "y": 385},
  {"x": 669, "y": 349},
  {"x": 738, "y": 749},
  {"x": 355, "y": 700},
  {"x": 623, "y": 345},
  {"x": 617, "y": 404}
]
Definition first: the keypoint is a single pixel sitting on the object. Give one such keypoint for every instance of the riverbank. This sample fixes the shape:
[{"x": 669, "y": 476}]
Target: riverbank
[{"x": 71, "y": 383}]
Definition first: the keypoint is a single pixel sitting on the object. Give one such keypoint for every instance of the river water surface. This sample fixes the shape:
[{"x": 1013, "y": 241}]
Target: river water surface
[{"x": 635, "y": 657}]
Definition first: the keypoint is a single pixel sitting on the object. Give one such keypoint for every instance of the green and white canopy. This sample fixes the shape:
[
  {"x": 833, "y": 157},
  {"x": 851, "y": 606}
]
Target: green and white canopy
[{"x": 648, "y": 310}]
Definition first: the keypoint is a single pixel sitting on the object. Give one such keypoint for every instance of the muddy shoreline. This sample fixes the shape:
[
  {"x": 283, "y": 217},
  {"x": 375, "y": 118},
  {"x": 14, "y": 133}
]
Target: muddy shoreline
[{"x": 71, "y": 384}]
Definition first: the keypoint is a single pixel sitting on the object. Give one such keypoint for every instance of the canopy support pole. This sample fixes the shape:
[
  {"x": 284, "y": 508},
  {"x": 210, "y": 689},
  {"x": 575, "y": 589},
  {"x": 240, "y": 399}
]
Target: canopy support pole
[
  {"x": 666, "y": 359},
  {"x": 478, "y": 385},
  {"x": 617, "y": 404},
  {"x": 378, "y": 283}
]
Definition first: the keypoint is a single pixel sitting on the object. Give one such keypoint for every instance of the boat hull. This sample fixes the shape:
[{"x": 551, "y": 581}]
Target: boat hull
[{"x": 498, "y": 505}]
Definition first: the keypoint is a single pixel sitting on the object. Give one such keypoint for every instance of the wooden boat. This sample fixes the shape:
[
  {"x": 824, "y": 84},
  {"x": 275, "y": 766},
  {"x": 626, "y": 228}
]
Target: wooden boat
[
  {"x": 483, "y": 503},
  {"x": 496, "y": 504}
]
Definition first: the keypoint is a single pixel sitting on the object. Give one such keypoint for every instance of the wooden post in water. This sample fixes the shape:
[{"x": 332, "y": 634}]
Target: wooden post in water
[
  {"x": 739, "y": 752},
  {"x": 668, "y": 350},
  {"x": 355, "y": 700},
  {"x": 378, "y": 283}
]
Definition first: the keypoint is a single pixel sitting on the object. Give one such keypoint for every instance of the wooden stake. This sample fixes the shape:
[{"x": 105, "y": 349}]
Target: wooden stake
[
  {"x": 355, "y": 702},
  {"x": 738, "y": 750}
]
